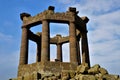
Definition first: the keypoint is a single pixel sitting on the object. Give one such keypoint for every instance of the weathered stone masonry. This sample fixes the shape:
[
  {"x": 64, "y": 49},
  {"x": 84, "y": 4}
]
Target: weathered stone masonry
[
  {"x": 43, "y": 69},
  {"x": 77, "y": 33}
]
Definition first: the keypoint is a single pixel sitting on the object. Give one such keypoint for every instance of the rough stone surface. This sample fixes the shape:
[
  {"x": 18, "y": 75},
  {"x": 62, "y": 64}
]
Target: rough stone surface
[
  {"x": 87, "y": 77},
  {"x": 77, "y": 33},
  {"x": 94, "y": 69},
  {"x": 48, "y": 67},
  {"x": 103, "y": 71},
  {"x": 82, "y": 68},
  {"x": 79, "y": 74},
  {"x": 43, "y": 68}
]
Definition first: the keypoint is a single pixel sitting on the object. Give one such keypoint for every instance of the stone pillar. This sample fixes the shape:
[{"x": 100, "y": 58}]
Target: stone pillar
[
  {"x": 78, "y": 55},
  {"x": 85, "y": 50},
  {"x": 24, "y": 47},
  {"x": 45, "y": 55},
  {"x": 59, "y": 52},
  {"x": 38, "y": 56},
  {"x": 73, "y": 43},
  {"x": 78, "y": 46}
]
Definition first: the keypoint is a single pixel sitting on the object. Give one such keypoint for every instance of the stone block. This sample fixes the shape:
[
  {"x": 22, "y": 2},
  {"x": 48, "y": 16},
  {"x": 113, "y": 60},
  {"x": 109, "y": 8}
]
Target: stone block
[
  {"x": 47, "y": 75},
  {"x": 22, "y": 15},
  {"x": 99, "y": 76},
  {"x": 58, "y": 75},
  {"x": 51, "y": 8},
  {"x": 72, "y": 9},
  {"x": 94, "y": 69},
  {"x": 87, "y": 77},
  {"x": 65, "y": 78},
  {"x": 109, "y": 77},
  {"x": 103, "y": 71},
  {"x": 77, "y": 76},
  {"x": 65, "y": 75},
  {"x": 83, "y": 68},
  {"x": 72, "y": 74}
]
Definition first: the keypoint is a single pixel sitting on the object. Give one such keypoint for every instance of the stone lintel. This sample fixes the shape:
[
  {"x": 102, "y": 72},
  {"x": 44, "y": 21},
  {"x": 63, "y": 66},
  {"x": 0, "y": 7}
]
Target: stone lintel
[
  {"x": 59, "y": 40},
  {"x": 39, "y": 33},
  {"x": 53, "y": 40},
  {"x": 34, "y": 37},
  {"x": 64, "y": 40},
  {"x": 50, "y": 16}
]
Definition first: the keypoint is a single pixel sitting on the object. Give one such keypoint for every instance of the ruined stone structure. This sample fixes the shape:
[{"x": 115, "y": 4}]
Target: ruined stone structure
[
  {"x": 43, "y": 68},
  {"x": 77, "y": 33}
]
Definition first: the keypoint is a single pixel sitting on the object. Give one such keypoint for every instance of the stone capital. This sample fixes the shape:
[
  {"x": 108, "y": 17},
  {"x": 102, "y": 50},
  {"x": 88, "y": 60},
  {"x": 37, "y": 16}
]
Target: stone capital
[
  {"x": 24, "y": 15},
  {"x": 51, "y": 8}
]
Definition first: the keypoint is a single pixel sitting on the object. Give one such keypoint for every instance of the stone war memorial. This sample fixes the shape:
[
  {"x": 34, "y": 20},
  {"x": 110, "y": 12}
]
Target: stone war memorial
[{"x": 43, "y": 69}]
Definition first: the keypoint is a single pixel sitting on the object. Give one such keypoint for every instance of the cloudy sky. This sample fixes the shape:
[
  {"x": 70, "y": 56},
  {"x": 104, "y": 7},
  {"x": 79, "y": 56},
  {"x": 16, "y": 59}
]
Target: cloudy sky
[{"x": 103, "y": 31}]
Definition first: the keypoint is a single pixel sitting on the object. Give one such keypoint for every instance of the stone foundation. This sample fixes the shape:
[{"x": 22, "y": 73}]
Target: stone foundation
[
  {"x": 82, "y": 72},
  {"x": 46, "y": 67}
]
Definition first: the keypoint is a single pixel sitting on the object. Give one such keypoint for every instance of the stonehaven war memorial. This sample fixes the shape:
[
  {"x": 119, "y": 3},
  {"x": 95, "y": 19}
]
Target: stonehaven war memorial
[{"x": 43, "y": 69}]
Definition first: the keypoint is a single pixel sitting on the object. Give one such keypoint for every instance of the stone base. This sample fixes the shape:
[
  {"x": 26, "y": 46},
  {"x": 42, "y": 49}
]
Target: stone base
[
  {"x": 64, "y": 72},
  {"x": 46, "y": 67}
]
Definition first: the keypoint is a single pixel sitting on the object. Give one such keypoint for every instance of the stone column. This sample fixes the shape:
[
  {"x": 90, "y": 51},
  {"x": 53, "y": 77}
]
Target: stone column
[
  {"x": 38, "y": 56},
  {"x": 73, "y": 43},
  {"x": 85, "y": 50},
  {"x": 45, "y": 55},
  {"x": 78, "y": 45},
  {"x": 78, "y": 55},
  {"x": 59, "y": 52},
  {"x": 24, "y": 47}
]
